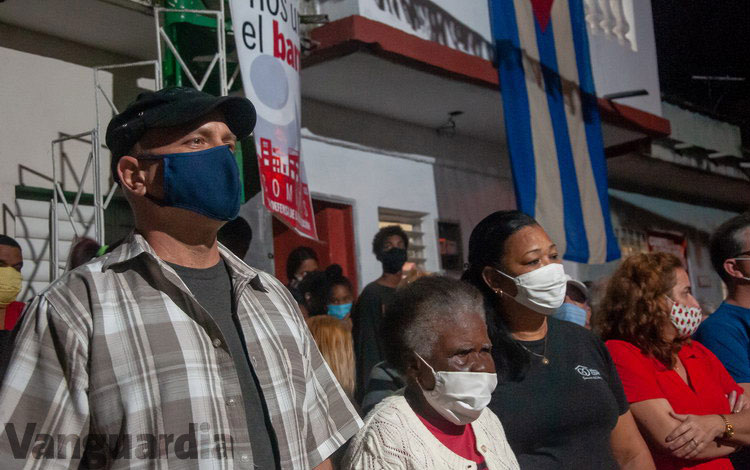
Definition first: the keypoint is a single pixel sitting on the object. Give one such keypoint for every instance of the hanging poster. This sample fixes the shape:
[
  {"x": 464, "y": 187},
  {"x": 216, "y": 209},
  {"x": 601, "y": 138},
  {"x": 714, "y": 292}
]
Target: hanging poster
[{"x": 268, "y": 48}]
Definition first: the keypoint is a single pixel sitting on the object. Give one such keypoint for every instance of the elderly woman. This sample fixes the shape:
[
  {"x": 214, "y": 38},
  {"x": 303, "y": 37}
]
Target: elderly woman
[
  {"x": 648, "y": 316},
  {"x": 558, "y": 396},
  {"x": 434, "y": 333}
]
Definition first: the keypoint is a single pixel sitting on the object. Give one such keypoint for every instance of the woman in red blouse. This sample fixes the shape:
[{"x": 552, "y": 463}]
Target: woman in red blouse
[{"x": 648, "y": 315}]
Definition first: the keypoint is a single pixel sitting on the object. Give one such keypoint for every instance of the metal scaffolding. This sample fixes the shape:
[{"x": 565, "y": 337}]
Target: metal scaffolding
[{"x": 102, "y": 199}]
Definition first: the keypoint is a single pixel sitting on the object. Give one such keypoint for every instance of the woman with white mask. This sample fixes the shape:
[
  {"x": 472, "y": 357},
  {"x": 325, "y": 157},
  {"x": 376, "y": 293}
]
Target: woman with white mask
[
  {"x": 558, "y": 393},
  {"x": 434, "y": 333}
]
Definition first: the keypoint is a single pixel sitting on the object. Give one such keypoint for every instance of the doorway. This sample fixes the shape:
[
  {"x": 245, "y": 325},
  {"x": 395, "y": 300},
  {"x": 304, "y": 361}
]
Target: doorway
[{"x": 335, "y": 226}]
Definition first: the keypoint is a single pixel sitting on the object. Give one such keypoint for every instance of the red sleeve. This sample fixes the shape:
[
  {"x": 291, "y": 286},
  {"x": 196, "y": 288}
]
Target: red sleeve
[
  {"x": 722, "y": 375},
  {"x": 636, "y": 372},
  {"x": 12, "y": 314}
]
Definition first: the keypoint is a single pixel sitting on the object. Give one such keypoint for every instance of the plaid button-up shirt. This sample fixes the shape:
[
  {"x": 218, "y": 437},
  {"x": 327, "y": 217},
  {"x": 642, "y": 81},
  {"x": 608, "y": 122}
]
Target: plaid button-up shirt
[{"x": 116, "y": 365}]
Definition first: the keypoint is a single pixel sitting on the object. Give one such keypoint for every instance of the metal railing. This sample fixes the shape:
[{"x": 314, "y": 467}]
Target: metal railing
[
  {"x": 94, "y": 160},
  {"x": 220, "y": 57},
  {"x": 59, "y": 197}
]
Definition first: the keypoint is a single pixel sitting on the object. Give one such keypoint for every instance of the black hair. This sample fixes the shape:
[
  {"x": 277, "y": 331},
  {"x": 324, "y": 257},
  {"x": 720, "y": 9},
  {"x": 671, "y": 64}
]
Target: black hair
[
  {"x": 319, "y": 285},
  {"x": 8, "y": 241},
  {"x": 296, "y": 258},
  {"x": 487, "y": 248},
  {"x": 382, "y": 236},
  {"x": 575, "y": 293},
  {"x": 83, "y": 251},
  {"x": 726, "y": 244},
  {"x": 236, "y": 235},
  {"x": 413, "y": 315},
  {"x": 335, "y": 276}
]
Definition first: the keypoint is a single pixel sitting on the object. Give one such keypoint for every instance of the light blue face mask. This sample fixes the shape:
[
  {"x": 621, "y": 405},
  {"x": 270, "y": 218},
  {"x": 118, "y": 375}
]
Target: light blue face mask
[
  {"x": 339, "y": 311},
  {"x": 571, "y": 313}
]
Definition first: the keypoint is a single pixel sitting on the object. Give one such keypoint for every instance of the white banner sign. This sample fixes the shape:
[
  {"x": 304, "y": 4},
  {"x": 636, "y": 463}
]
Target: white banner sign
[{"x": 267, "y": 37}]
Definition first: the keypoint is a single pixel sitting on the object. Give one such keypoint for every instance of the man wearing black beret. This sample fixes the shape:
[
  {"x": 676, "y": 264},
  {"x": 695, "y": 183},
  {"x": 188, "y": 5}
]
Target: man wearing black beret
[{"x": 170, "y": 351}]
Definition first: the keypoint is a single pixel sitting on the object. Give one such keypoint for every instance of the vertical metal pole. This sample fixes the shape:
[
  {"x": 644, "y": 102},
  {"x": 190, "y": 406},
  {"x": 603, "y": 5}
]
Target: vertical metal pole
[
  {"x": 53, "y": 246},
  {"x": 157, "y": 75},
  {"x": 98, "y": 202},
  {"x": 157, "y": 14},
  {"x": 222, "y": 52}
]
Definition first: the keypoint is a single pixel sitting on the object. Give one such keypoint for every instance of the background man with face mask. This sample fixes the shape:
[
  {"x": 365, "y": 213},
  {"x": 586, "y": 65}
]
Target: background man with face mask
[
  {"x": 389, "y": 246},
  {"x": 435, "y": 335},
  {"x": 576, "y": 307},
  {"x": 170, "y": 334}
]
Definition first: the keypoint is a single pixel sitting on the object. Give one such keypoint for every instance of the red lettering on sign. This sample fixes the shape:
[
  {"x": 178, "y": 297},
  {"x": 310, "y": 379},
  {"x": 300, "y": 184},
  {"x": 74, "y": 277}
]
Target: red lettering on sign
[{"x": 284, "y": 49}]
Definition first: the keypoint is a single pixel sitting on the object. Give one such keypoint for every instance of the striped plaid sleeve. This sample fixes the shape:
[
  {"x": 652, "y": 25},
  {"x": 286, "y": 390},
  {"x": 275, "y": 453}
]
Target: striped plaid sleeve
[{"x": 44, "y": 406}]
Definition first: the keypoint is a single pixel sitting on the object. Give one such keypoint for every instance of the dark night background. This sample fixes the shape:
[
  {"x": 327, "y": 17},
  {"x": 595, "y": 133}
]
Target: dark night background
[{"x": 699, "y": 37}]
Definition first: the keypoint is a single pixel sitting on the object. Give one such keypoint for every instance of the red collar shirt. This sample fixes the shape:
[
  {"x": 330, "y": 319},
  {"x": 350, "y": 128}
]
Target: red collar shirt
[{"x": 645, "y": 378}]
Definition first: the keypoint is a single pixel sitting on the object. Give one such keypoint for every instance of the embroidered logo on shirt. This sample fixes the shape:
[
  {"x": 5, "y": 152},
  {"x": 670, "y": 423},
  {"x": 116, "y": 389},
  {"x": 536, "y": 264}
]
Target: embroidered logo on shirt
[{"x": 588, "y": 373}]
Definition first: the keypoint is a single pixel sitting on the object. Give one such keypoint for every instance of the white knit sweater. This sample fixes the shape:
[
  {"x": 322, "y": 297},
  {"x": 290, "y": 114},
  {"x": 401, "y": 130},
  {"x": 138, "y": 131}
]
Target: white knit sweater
[{"x": 394, "y": 438}]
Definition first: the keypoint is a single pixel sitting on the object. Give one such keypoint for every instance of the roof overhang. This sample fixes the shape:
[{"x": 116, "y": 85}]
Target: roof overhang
[{"x": 625, "y": 128}]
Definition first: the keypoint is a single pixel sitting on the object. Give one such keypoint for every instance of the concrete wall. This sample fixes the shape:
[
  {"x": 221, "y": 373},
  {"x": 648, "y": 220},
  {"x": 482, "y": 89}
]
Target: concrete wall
[
  {"x": 49, "y": 98},
  {"x": 703, "y": 131},
  {"x": 619, "y": 68},
  {"x": 472, "y": 177},
  {"x": 462, "y": 25},
  {"x": 368, "y": 179}
]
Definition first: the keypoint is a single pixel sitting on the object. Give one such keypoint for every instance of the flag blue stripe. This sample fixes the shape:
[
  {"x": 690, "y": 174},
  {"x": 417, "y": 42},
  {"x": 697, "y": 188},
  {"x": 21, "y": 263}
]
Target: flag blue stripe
[
  {"x": 592, "y": 120},
  {"x": 577, "y": 246},
  {"x": 515, "y": 103}
]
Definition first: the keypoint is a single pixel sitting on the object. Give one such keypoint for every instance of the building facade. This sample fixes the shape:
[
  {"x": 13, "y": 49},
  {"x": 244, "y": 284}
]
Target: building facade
[{"x": 402, "y": 123}]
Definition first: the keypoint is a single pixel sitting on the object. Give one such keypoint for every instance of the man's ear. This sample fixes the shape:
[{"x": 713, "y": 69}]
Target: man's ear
[
  {"x": 133, "y": 178},
  {"x": 731, "y": 268}
]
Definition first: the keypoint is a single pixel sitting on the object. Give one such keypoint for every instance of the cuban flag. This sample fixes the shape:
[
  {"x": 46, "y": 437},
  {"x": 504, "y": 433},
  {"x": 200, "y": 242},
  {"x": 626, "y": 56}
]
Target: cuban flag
[{"x": 552, "y": 124}]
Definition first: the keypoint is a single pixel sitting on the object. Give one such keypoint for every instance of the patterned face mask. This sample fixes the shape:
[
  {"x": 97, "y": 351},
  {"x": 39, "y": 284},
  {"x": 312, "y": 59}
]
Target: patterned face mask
[{"x": 685, "y": 319}]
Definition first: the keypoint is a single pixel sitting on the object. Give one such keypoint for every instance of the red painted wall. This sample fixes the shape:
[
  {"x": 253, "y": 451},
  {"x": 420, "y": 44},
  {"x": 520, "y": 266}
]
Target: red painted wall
[{"x": 336, "y": 232}]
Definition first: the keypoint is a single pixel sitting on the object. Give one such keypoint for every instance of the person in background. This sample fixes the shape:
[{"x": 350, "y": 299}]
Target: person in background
[
  {"x": 726, "y": 332},
  {"x": 647, "y": 316},
  {"x": 559, "y": 396},
  {"x": 389, "y": 246},
  {"x": 236, "y": 235},
  {"x": 83, "y": 250},
  {"x": 11, "y": 262},
  {"x": 575, "y": 308},
  {"x": 301, "y": 261},
  {"x": 334, "y": 339},
  {"x": 434, "y": 333},
  {"x": 327, "y": 292},
  {"x": 171, "y": 333},
  {"x": 383, "y": 382},
  {"x": 339, "y": 295}
]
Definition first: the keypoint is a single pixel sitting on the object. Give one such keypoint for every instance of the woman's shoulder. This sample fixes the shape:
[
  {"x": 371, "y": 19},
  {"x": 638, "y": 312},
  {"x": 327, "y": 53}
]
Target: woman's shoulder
[
  {"x": 695, "y": 347},
  {"x": 391, "y": 410},
  {"x": 489, "y": 423},
  {"x": 575, "y": 334},
  {"x": 568, "y": 328},
  {"x": 622, "y": 350}
]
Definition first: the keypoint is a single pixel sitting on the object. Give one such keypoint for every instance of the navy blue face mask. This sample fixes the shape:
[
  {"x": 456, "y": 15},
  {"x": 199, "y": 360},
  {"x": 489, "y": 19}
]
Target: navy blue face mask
[{"x": 206, "y": 182}]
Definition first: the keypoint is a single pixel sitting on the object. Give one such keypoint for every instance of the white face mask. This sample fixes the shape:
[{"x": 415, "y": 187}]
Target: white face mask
[
  {"x": 685, "y": 319},
  {"x": 542, "y": 290},
  {"x": 460, "y": 397}
]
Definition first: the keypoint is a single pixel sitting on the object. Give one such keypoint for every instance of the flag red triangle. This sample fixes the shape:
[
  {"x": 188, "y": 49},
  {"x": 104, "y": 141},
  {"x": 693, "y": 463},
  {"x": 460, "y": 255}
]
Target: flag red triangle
[{"x": 542, "y": 9}]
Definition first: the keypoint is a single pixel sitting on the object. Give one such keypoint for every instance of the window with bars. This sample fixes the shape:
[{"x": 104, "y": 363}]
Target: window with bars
[{"x": 411, "y": 222}]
